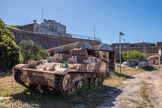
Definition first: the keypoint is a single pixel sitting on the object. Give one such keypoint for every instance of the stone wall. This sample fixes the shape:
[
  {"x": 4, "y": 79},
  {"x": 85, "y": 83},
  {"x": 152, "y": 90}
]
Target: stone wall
[
  {"x": 149, "y": 51},
  {"x": 29, "y": 27},
  {"x": 46, "y": 41}
]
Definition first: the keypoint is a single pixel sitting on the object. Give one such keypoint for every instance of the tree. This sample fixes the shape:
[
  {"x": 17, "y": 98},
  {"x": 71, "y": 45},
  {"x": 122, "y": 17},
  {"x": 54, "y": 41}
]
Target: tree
[
  {"x": 9, "y": 51},
  {"x": 133, "y": 55},
  {"x": 32, "y": 51}
]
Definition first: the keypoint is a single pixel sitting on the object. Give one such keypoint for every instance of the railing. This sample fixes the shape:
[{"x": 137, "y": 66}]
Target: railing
[{"x": 86, "y": 37}]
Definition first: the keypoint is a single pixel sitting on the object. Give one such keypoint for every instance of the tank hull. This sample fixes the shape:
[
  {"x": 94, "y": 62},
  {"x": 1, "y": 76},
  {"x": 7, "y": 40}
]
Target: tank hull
[{"x": 56, "y": 80}]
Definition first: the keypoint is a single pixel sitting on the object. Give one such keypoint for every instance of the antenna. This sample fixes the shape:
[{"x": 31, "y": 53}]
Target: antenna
[{"x": 42, "y": 16}]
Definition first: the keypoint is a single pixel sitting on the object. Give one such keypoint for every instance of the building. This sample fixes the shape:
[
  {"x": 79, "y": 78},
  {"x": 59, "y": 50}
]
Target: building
[
  {"x": 151, "y": 49},
  {"x": 49, "y": 27}
]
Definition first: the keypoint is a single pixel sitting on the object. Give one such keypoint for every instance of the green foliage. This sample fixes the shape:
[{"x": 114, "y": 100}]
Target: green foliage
[
  {"x": 9, "y": 51},
  {"x": 133, "y": 55},
  {"x": 32, "y": 51},
  {"x": 21, "y": 59},
  {"x": 43, "y": 54},
  {"x": 17, "y": 26}
]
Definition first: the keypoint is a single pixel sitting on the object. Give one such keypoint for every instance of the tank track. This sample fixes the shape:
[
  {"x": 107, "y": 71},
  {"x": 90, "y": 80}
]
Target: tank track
[
  {"x": 17, "y": 74},
  {"x": 58, "y": 84},
  {"x": 59, "y": 80}
]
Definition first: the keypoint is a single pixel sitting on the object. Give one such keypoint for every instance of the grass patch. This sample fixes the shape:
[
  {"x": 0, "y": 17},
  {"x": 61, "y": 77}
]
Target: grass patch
[
  {"x": 148, "y": 78},
  {"x": 22, "y": 97},
  {"x": 160, "y": 83},
  {"x": 151, "y": 105},
  {"x": 144, "y": 91},
  {"x": 114, "y": 79},
  {"x": 82, "y": 98},
  {"x": 134, "y": 101},
  {"x": 128, "y": 71},
  {"x": 142, "y": 105},
  {"x": 139, "y": 104},
  {"x": 145, "y": 96}
]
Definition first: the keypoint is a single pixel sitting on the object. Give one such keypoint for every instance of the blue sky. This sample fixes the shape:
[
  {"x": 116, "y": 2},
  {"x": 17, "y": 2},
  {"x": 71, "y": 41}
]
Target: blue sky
[{"x": 137, "y": 19}]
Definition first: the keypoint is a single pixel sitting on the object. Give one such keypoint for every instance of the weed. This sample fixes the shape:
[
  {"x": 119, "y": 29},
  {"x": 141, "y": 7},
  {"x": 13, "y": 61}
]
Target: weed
[
  {"x": 144, "y": 91},
  {"x": 160, "y": 83},
  {"x": 148, "y": 78},
  {"x": 134, "y": 101},
  {"x": 84, "y": 96},
  {"x": 151, "y": 105},
  {"x": 22, "y": 96}
]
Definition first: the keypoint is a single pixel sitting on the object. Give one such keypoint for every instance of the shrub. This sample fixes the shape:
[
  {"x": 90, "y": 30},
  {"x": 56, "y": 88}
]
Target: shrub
[
  {"x": 133, "y": 55},
  {"x": 17, "y": 26},
  {"x": 9, "y": 51},
  {"x": 32, "y": 51},
  {"x": 43, "y": 54}
]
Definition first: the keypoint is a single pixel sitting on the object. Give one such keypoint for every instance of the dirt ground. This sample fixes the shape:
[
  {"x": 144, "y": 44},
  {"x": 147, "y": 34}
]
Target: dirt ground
[
  {"x": 143, "y": 90},
  {"x": 139, "y": 91}
]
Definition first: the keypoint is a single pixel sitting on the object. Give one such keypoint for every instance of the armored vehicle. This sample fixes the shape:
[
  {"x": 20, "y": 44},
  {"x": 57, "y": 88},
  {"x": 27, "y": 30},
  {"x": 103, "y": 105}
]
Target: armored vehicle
[{"x": 69, "y": 68}]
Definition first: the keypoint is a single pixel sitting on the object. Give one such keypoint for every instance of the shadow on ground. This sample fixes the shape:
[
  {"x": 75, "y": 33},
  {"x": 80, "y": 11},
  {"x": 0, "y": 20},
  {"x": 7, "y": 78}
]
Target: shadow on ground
[
  {"x": 120, "y": 75},
  {"x": 4, "y": 74},
  {"x": 102, "y": 96},
  {"x": 109, "y": 101},
  {"x": 86, "y": 98}
]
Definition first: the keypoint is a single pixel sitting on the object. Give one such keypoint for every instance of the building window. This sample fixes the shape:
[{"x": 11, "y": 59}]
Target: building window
[{"x": 47, "y": 25}]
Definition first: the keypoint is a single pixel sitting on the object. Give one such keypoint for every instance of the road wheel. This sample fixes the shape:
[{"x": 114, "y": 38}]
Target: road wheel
[
  {"x": 79, "y": 84},
  {"x": 91, "y": 84},
  {"x": 96, "y": 82},
  {"x": 67, "y": 83}
]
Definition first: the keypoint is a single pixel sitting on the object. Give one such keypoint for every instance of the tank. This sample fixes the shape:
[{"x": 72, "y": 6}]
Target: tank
[{"x": 70, "y": 67}]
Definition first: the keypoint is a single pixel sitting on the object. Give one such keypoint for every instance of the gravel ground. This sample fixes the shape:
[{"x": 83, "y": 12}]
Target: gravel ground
[{"x": 140, "y": 91}]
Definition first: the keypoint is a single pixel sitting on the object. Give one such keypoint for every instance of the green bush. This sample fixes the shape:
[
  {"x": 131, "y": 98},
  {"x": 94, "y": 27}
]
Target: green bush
[
  {"x": 133, "y": 55},
  {"x": 43, "y": 54},
  {"x": 17, "y": 26},
  {"x": 9, "y": 51},
  {"x": 32, "y": 51}
]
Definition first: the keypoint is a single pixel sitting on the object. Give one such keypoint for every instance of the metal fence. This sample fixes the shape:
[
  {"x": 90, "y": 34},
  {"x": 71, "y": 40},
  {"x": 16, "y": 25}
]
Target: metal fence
[{"x": 85, "y": 37}]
